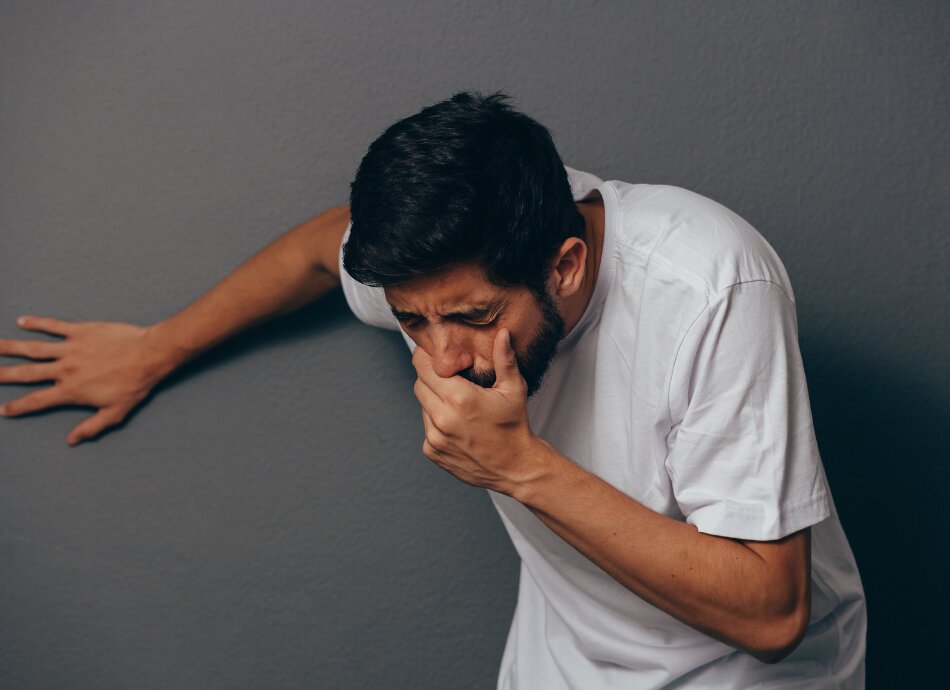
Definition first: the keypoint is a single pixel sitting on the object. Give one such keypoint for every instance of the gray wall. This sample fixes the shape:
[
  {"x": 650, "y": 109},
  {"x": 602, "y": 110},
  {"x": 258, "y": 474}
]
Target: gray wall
[{"x": 268, "y": 518}]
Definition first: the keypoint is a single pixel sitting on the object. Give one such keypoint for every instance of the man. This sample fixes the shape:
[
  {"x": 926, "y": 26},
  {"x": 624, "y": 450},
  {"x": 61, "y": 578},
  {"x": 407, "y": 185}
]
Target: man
[{"x": 616, "y": 363}]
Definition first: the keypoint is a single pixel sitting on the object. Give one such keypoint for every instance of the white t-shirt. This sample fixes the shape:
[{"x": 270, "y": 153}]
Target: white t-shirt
[{"x": 681, "y": 385}]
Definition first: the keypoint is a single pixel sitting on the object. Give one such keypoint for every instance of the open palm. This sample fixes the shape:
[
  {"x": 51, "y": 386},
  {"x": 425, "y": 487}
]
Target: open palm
[{"x": 109, "y": 365}]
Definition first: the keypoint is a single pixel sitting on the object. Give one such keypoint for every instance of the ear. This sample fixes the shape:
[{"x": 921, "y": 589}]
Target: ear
[{"x": 570, "y": 265}]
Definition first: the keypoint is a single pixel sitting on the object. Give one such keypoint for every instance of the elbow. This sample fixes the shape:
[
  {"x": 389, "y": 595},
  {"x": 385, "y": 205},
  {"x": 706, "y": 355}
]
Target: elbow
[
  {"x": 780, "y": 609},
  {"x": 779, "y": 636}
]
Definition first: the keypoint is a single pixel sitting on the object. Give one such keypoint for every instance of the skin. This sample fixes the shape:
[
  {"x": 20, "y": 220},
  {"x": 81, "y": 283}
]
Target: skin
[
  {"x": 754, "y": 596},
  {"x": 114, "y": 366}
]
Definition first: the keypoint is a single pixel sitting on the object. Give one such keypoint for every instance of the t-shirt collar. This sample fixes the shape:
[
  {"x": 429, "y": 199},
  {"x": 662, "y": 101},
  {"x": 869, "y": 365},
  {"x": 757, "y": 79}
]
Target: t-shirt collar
[{"x": 605, "y": 271}]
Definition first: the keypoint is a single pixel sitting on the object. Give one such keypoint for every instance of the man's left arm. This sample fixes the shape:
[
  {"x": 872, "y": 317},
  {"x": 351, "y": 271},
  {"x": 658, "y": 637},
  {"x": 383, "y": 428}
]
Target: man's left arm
[
  {"x": 744, "y": 470},
  {"x": 753, "y": 595}
]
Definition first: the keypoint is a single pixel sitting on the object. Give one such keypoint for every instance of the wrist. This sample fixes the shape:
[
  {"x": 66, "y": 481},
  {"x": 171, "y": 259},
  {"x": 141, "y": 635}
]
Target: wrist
[
  {"x": 165, "y": 353},
  {"x": 536, "y": 462}
]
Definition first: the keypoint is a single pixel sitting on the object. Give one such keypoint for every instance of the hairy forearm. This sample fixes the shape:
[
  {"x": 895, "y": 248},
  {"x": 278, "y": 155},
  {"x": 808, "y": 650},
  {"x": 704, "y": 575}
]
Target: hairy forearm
[
  {"x": 293, "y": 270},
  {"x": 717, "y": 585}
]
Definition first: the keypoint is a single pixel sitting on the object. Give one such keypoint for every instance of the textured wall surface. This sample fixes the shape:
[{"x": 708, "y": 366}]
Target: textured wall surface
[{"x": 268, "y": 518}]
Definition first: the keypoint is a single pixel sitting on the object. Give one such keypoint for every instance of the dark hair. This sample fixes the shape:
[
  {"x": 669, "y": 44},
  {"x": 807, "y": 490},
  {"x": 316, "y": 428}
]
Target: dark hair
[{"x": 467, "y": 180}]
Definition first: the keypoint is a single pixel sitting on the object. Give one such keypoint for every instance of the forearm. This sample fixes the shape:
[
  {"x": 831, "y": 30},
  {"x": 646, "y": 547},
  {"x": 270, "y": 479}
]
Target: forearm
[
  {"x": 293, "y": 270},
  {"x": 717, "y": 585}
]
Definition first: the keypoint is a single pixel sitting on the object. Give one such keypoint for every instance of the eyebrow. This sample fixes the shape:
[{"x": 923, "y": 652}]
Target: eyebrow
[{"x": 477, "y": 311}]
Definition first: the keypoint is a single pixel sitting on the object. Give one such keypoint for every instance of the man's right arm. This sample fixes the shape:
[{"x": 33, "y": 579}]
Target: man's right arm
[
  {"x": 113, "y": 366},
  {"x": 295, "y": 269}
]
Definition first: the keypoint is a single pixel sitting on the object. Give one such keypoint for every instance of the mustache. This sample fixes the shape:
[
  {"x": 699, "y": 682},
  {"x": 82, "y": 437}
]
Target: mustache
[{"x": 483, "y": 379}]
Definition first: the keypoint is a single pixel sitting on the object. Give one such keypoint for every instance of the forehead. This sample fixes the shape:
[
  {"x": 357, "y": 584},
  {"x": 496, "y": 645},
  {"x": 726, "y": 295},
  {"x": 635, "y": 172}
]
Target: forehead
[{"x": 461, "y": 286}]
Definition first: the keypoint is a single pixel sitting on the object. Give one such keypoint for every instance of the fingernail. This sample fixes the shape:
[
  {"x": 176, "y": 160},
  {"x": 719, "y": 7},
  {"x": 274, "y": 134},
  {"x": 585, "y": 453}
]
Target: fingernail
[
  {"x": 20, "y": 321},
  {"x": 3, "y": 410}
]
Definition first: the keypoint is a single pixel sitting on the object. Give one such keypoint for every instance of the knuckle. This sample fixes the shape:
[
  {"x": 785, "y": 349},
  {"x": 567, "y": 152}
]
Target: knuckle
[{"x": 66, "y": 392}]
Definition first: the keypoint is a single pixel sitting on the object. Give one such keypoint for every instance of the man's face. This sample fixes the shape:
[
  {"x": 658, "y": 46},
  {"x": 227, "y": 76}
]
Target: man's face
[{"x": 455, "y": 315}]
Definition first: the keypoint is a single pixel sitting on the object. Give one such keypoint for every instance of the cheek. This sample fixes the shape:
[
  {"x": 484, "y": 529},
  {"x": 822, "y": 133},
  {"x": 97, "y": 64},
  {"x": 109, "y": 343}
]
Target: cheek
[
  {"x": 484, "y": 342},
  {"x": 522, "y": 331},
  {"x": 414, "y": 336}
]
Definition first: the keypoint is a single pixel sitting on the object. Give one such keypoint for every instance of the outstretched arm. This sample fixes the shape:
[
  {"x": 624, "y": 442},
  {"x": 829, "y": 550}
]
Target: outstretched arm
[
  {"x": 113, "y": 366},
  {"x": 295, "y": 269}
]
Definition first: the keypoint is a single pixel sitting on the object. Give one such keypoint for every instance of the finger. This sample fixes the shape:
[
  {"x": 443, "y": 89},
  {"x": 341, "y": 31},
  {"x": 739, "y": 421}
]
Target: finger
[
  {"x": 422, "y": 363},
  {"x": 507, "y": 374},
  {"x": 42, "y": 399},
  {"x": 93, "y": 426},
  {"x": 427, "y": 397},
  {"x": 433, "y": 434},
  {"x": 427, "y": 423},
  {"x": 34, "y": 349},
  {"x": 444, "y": 387},
  {"x": 47, "y": 325},
  {"x": 428, "y": 450},
  {"x": 29, "y": 373}
]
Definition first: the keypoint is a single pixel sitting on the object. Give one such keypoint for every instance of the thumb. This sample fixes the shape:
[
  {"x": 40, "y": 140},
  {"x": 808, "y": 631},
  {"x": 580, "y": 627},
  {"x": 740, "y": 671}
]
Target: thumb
[
  {"x": 92, "y": 426},
  {"x": 506, "y": 364}
]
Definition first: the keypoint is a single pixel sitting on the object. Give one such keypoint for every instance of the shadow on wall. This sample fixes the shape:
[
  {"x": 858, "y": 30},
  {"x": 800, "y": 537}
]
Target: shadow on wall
[
  {"x": 883, "y": 439},
  {"x": 318, "y": 319}
]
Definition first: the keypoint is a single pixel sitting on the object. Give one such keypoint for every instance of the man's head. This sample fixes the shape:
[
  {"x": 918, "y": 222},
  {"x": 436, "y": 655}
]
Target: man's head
[
  {"x": 454, "y": 316},
  {"x": 467, "y": 204}
]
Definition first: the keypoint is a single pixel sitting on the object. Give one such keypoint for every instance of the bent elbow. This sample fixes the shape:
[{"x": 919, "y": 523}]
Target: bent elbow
[{"x": 779, "y": 638}]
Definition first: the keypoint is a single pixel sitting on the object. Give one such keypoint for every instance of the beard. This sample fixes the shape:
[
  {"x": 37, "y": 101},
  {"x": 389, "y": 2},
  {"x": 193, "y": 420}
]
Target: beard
[{"x": 540, "y": 351}]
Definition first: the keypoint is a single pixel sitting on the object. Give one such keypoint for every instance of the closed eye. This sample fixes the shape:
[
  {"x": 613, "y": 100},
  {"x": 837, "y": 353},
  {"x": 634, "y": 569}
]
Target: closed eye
[
  {"x": 408, "y": 323},
  {"x": 413, "y": 323}
]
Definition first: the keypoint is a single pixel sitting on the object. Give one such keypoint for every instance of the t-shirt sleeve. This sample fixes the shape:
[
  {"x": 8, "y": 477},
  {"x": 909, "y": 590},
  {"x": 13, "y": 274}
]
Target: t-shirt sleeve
[
  {"x": 368, "y": 303},
  {"x": 744, "y": 462}
]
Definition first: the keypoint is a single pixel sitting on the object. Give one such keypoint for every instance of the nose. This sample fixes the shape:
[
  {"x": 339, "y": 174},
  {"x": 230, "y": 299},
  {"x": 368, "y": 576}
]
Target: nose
[{"x": 449, "y": 353}]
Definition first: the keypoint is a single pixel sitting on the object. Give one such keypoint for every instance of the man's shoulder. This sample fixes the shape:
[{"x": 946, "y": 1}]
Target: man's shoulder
[{"x": 679, "y": 231}]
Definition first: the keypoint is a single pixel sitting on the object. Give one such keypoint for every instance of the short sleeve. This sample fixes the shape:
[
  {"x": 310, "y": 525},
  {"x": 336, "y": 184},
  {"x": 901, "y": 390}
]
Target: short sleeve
[
  {"x": 368, "y": 303},
  {"x": 744, "y": 461}
]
